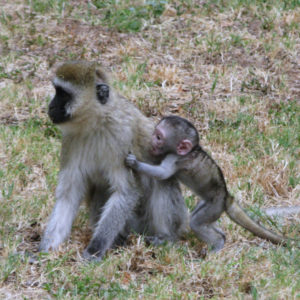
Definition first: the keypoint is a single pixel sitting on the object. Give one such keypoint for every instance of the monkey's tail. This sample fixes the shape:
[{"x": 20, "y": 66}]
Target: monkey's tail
[{"x": 237, "y": 214}]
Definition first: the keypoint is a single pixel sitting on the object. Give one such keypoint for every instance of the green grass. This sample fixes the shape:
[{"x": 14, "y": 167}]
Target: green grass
[{"x": 129, "y": 16}]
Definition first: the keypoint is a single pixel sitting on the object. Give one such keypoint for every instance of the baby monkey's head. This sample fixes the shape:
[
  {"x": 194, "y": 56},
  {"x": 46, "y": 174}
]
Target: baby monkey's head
[{"x": 175, "y": 135}]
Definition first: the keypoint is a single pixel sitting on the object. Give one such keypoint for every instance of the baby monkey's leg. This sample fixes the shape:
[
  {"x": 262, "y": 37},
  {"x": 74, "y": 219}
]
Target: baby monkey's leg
[{"x": 203, "y": 223}]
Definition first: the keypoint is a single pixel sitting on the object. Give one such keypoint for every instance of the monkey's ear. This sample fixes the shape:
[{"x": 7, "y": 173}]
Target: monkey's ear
[
  {"x": 102, "y": 91},
  {"x": 102, "y": 75},
  {"x": 184, "y": 147}
]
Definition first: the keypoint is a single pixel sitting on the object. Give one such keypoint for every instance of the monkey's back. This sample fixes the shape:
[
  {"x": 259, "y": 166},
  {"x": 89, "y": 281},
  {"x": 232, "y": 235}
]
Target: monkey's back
[{"x": 200, "y": 173}]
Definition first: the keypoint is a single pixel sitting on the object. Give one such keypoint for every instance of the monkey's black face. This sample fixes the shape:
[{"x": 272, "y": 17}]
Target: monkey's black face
[{"x": 58, "y": 106}]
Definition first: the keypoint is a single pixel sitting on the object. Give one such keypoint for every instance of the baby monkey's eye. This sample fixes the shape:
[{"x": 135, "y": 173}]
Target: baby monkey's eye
[{"x": 158, "y": 137}]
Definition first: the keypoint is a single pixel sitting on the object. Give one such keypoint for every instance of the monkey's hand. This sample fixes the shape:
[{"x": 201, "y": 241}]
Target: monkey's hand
[{"x": 131, "y": 161}]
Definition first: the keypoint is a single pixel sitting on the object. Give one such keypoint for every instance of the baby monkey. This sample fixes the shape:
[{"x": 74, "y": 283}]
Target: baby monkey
[{"x": 175, "y": 144}]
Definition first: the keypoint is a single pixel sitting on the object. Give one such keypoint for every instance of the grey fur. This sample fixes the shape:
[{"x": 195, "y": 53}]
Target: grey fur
[{"x": 96, "y": 139}]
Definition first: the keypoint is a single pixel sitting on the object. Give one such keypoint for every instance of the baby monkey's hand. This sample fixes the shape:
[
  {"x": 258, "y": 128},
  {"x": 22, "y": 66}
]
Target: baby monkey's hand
[{"x": 131, "y": 161}]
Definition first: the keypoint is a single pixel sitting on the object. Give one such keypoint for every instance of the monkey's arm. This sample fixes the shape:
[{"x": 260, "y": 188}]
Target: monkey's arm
[
  {"x": 69, "y": 194},
  {"x": 165, "y": 170},
  {"x": 117, "y": 210}
]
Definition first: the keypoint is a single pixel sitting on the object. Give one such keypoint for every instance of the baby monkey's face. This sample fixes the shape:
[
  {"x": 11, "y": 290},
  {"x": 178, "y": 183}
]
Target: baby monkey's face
[
  {"x": 158, "y": 141},
  {"x": 167, "y": 139},
  {"x": 164, "y": 140}
]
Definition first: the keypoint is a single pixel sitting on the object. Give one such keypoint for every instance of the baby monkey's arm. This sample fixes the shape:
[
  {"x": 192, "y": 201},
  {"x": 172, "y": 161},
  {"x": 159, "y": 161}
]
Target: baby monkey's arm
[{"x": 166, "y": 169}]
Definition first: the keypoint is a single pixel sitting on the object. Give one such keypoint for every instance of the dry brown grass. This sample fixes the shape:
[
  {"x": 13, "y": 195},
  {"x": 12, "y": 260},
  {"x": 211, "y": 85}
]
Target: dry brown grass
[{"x": 232, "y": 70}]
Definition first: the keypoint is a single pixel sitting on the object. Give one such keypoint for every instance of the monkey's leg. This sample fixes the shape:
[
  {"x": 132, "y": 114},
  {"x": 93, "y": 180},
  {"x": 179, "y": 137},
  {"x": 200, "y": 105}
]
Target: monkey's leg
[
  {"x": 203, "y": 224},
  {"x": 113, "y": 219},
  {"x": 99, "y": 195},
  {"x": 69, "y": 193},
  {"x": 167, "y": 212}
]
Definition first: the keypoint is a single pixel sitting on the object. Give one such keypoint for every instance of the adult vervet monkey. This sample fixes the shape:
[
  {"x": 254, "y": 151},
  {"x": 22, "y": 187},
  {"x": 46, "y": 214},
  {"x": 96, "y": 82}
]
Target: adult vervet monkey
[
  {"x": 99, "y": 128},
  {"x": 175, "y": 142}
]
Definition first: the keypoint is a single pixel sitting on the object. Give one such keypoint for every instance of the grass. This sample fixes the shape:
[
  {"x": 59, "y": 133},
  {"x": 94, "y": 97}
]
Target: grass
[
  {"x": 231, "y": 67},
  {"x": 129, "y": 16}
]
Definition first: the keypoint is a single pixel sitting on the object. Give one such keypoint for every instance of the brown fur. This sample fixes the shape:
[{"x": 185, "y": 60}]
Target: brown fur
[{"x": 78, "y": 73}]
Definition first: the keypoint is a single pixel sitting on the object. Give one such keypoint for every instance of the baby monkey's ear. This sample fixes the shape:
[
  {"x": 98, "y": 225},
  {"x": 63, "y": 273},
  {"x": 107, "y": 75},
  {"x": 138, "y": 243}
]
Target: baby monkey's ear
[{"x": 184, "y": 147}]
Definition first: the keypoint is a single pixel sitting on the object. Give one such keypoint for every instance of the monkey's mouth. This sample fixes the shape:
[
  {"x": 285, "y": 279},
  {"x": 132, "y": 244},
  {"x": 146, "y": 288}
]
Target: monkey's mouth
[
  {"x": 58, "y": 116},
  {"x": 154, "y": 151}
]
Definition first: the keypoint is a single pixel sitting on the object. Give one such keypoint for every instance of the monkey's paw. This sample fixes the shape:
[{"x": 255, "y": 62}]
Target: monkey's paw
[
  {"x": 131, "y": 161},
  {"x": 155, "y": 240},
  {"x": 91, "y": 257},
  {"x": 95, "y": 250}
]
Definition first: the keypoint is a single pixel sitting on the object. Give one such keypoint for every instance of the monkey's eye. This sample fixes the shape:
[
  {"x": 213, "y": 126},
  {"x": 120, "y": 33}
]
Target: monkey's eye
[{"x": 158, "y": 137}]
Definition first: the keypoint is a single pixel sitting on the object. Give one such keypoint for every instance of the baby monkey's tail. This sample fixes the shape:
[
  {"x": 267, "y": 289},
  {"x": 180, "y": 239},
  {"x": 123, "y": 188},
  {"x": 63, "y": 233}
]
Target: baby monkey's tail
[{"x": 237, "y": 214}]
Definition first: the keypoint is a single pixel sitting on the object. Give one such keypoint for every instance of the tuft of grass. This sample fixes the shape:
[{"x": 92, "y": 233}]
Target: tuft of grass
[
  {"x": 130, "y": 16},
  {"x": 42, "y": 6}
]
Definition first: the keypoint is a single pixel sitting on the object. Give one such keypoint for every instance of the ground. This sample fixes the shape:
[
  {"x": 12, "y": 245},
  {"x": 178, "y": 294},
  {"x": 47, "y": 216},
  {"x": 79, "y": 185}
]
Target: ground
[{"x": 231, "y": 67}]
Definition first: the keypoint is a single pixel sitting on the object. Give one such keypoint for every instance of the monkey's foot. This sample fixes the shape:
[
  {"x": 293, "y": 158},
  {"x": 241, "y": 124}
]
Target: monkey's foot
[
  {"x": 45, "y": 247},
  {"x": 154, "y": 240},
  {"x": 95, "y": 250},
  {"x": 91, "y": 257},
  {"x": 217, "y": 246},
  {"x": 120, "y": 241}
]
